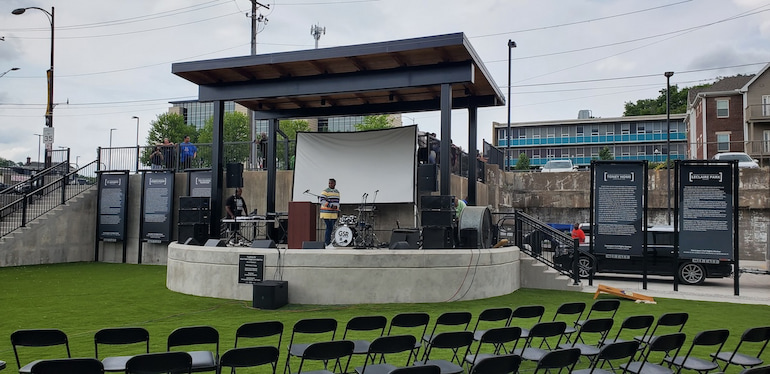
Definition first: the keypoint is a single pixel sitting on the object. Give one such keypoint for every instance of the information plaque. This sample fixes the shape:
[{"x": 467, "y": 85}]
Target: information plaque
[
  {"x": 199, "y": 183},
  {"x": 618, "y": 192},
  {"x": 113, "y": 189},
  {"x": 251, "y": 268},
  {"x": 157, "y": 208}
]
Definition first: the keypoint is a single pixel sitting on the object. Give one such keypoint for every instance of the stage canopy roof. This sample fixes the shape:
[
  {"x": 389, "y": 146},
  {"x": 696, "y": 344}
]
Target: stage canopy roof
[{"x": 387, "y": 77}]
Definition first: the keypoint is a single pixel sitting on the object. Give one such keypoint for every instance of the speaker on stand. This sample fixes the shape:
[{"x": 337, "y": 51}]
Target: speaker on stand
[{"x": 234, "y": 175}]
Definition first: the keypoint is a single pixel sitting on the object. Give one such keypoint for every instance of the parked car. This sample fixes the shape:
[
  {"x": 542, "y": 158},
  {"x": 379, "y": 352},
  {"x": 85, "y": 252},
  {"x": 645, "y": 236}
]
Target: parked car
[
  {"x": 744, "y": 160},
  {"x": 554, "y": 166},
  {"x": 660, "y": 260}
]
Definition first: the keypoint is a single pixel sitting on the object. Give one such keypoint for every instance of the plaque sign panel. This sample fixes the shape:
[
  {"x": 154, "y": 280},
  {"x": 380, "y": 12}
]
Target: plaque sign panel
[
  {"x": 158, "y": 207},
  {"x": 618, "y": 205},
  {"x": 113, "y": 190},
  {"x": 251, "y": 268},
  {"x": 706, "y": 211}
]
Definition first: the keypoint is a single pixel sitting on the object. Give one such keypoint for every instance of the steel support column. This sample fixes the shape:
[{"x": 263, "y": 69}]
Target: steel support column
[
  {"x": 217, "y": 168},
  {"x": 446, "y": 138}
]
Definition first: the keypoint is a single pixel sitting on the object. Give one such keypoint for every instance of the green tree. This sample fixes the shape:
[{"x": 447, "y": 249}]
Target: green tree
[
  {"x": 7, "y": 163},
  {"x": 523, "y": 162},
  {"x": 376, "y": 122},
  {"x": 171, "y": 126},
  {"x": 606, "y": 154},
  {"x": 658, "y": 105},
  {"x": 290, "y": 128},
  {"x": 235, "y": 129}
]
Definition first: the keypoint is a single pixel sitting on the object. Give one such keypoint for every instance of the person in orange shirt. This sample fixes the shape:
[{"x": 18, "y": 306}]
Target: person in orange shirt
[{"x": 577, "y": 233}]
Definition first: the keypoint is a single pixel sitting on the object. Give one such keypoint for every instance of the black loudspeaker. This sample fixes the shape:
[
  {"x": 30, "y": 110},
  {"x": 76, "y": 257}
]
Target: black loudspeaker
[
  {"x": 234, "y": 175},
  {"x": 410, "y": 236},
  {"x": 469, "y": 238},
  {"x": 263, "y": 243},
  {"x": 197, "y": 231},
  {"x": 194, "y": 202},
  {"x": 437, "y": 217},
  {"x": 426, "y": 178},
  {"x": 313, "y": 245},
  {"x": 437, "y": 238},
  {"x": 270, "y": 294},
  {"x": 438, "y": 202},
  {"x": 400, "y": 245},
  {"x": 215, "y": 243},
  {"x": 191, "y": 241},
  {"x": 193, "y": 216}
]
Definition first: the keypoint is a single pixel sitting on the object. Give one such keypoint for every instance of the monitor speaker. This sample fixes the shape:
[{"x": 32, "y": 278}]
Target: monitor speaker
[
  {"x": 191, "y": 241},
  {"x": 234, "y": 175},
  {"x": 216, "y": 243},
  {"x": 410, "y": 236},
  {"x": 263, "y": 243},
  {"x": 197, "y": 231},
  {"x": 426, "y": 178},
  {"x": 313, "y": 245},
  {"x": 400, "y": 245}
]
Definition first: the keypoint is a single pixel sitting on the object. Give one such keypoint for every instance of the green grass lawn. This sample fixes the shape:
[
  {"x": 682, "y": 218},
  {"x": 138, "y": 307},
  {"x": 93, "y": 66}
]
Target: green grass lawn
[{"x": 82, "y": 298}]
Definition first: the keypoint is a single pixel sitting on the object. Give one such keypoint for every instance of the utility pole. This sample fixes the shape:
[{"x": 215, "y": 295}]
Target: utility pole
[
  {"x": 255, "y": 21},
  {"x": 317, "y": 31}
]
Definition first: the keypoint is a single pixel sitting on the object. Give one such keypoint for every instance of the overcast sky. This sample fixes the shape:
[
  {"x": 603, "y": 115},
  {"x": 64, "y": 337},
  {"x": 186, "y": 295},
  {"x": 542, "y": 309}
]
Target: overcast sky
[{"x": 113, "y": 58}]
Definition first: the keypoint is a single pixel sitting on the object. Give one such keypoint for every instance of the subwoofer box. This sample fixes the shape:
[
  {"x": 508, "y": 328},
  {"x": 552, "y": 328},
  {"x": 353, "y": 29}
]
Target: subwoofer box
[
  {"x": 270, "y": 294},
  {"x": 197, "y": 231},
  {"x": 437, "y": 237},
  {"x": 194, "y": 202}
]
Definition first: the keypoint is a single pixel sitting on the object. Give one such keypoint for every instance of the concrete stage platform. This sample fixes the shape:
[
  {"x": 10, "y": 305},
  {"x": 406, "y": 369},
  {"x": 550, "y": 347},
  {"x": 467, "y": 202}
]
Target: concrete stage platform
[{"x": 350, "y": 276}]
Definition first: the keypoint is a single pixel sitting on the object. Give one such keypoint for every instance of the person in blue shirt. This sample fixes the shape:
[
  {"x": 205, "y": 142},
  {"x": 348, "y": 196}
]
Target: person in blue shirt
[{"x": 187, "y": 152}]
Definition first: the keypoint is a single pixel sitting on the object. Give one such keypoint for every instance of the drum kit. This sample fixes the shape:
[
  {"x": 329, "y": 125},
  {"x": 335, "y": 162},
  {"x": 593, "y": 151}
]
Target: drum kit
[{"x": 357, "y": 230}]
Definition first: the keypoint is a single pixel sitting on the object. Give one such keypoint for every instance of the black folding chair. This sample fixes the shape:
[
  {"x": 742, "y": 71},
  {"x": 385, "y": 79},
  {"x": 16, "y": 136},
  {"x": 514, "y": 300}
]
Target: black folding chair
[
  {"x": 609, "y": 307},
  {"x": 248, "y": 357},
  {"x": 559, "y": 359},
  {"x": 202, "y": 360},
  {"x": 259, "y": 330},
  {"x": 410, "y": 322},
  {"x": 663, "y": 343},
  {"x": 37, "y": 338},
  {"x": 757, "y": 370},
  {"x": 570, "y": 309},
  {"x": 497, "y": 338},
  {"x": 609, "y": 353},
  {"x": 123, "y": 337},
  {"x": 489, "y": 318},
  {"x": 455, "y": 341},
  {"x": 424, "y": 369},
  {"x": 503, "y": 364},
  {"x": 364, "y": 324},
  {"x": 598, "y": 328},
  {"x": 160, "y": 363},
  {"x": 335, "y": 351},
  {"x": 526, "y": 316},
  {"x": 68, "y": 365},
  {"x": 542, "y": 331},
  {"x": 755, "y": 336},
  {"x": 310, "y": 326},
  {"x": 381, "y": 348},
  {"x": 633, "y": 323},
  {"x": 707, "y": 338},
  {"x": 455, "y": 319},
  {"x": 673, "y": 322}
]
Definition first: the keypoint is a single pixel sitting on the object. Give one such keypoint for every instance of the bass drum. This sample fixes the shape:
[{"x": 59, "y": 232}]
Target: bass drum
[{"x": 344, "y": 235}]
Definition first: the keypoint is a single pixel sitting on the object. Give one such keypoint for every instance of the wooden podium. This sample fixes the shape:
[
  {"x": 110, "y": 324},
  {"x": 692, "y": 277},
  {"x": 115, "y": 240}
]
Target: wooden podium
[{"x": 303, "y": 216}]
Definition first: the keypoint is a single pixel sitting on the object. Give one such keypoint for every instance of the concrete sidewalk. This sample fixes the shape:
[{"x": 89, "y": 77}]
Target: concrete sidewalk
[{"x": 753, "y": 288}]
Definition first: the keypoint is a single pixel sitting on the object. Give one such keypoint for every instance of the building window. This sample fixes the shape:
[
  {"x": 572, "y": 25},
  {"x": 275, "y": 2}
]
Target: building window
[
  {"x": 723, "y": 142},
  {"x": 625, "y": 129},
  {"x": 723, "y": 108},
  {"x": 640, "y": 128},
  {"x": 579, "y": 131}
]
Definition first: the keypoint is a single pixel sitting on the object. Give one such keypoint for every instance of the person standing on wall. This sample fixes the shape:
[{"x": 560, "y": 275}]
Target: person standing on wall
[
  {"x": 330, "y": 207},
  {"x": 187, "y": 152},
  {"x": 168, "y": 153}
]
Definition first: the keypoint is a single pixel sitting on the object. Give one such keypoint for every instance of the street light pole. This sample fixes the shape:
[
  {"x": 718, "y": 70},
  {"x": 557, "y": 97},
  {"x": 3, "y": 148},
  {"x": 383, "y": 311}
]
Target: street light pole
[
  {"x": 109, "y": 163},
  {"x": 39, "y": 136},
  {"x": 668, "y": 75},
  {"x": 511, "y": 45},
  {"x": 9, "y": 70},
  {"x": 49, "y": 74},
  {"x": 137, "y": 130}
]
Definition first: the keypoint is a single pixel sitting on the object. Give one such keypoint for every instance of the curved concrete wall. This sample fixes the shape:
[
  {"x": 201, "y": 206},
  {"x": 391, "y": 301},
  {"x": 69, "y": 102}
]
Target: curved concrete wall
[{"x": 350, "y": 276}]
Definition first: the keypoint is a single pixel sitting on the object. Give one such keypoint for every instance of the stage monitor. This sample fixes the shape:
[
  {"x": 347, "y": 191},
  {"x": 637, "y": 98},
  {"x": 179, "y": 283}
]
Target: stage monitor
[{"x": 380, "y": 162}]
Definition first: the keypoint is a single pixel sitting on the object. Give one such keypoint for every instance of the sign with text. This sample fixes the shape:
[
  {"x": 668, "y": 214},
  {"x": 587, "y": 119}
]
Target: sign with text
[
  {"x": 705, "y": 214},
  {"x": 113, "y": 191},
  {"x": 157, "y": 207},
  {"x": 251, "y": 268},
  {"x": 199, "y": 183},
  {"x": 618, "y": 207}
]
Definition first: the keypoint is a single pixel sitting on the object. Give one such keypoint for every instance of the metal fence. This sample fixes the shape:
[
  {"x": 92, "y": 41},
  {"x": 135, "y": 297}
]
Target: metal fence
[
  {"x": 141, "y": 158},
  {"x": 42, "y": 192}
]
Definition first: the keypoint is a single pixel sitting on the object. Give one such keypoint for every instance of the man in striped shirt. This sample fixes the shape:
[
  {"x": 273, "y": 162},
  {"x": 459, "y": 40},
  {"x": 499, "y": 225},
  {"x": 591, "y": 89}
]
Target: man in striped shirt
[{"x": 330, "y": 207}]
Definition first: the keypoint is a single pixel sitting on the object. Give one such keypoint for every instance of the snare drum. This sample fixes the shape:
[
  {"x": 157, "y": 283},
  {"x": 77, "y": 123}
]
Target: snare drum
[{"x": 343, "y": 236}]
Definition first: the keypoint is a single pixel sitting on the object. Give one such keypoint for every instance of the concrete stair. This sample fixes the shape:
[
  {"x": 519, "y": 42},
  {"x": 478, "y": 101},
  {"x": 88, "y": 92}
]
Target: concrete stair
[{"x": 535, "y": 274}]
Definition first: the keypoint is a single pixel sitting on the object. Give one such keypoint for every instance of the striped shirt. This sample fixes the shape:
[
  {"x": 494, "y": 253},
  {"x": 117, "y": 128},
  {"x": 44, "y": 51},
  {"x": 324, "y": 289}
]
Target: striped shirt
[{"x": 330, "y": 203}]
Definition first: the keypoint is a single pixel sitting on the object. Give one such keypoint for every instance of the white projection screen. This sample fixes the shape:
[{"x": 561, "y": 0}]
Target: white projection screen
[{"x": 365, "y": 162}]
